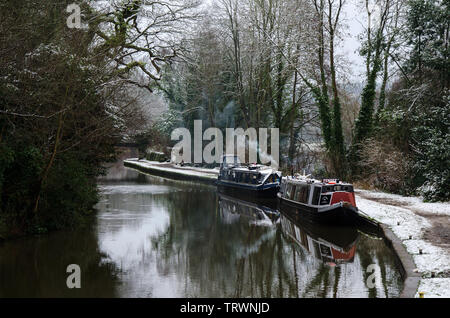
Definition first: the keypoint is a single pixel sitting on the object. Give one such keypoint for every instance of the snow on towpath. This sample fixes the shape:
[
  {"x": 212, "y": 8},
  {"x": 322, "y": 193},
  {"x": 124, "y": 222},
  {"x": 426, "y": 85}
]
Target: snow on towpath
[
  {"x": 177, "y": 169},
  {"x": 424, "y": 229}
]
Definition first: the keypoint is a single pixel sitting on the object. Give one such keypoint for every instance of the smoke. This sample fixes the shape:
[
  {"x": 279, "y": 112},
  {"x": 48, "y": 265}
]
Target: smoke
[
  {"x": 263, "y": 156},
  {"x": 225, "y": 118},
  {"x": 260, "y": 147}
]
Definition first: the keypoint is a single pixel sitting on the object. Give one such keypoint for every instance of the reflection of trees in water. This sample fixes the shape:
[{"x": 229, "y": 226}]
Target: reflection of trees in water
[
  {"x": 36, "y": 267},
  {"x": 205, "y": 252},
  {"x": 320, "y": 281},
  {"x": 116, "y": 170},
  {"x": 348, "y": 279},
  {"x": 219, "y": 259},
  {"x": 213, "y": 256},
  {"x": 375, "y": 252}
]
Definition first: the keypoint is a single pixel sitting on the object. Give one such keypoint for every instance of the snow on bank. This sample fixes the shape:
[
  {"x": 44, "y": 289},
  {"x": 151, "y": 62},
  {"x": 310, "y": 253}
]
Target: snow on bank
[
  {"x": 435, "y": 287},
  {"x": 186, "y": 171},
  {"x": 214, "y": 171},
  {"x": 415, "y": 203},
  {"x": 409, "y": 218},
  {"x": 402, "y": 221}
]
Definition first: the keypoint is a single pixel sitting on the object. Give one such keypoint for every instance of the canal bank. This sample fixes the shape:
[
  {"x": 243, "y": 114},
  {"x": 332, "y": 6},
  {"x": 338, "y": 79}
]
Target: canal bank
[
  {"x": 207, "y": 176},
  {"x": 420, "y": 232},
  {"x": 423, "y": 255}
]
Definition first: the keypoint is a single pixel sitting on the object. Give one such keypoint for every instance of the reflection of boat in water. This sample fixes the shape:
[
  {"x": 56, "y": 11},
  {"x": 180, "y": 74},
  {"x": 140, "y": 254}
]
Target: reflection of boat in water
[
  {"x": 232, "y": 207},
  {"x": 331, "y": 244}
]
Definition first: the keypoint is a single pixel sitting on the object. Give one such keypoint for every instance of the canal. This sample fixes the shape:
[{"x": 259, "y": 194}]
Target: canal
[{"x": 154, "y": 237}]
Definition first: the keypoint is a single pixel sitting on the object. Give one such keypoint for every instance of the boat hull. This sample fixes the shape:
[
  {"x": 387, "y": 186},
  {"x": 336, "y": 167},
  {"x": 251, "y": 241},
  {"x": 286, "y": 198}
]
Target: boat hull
[
  {"x": 262, "y": 191},
  {"x": 337, "y": 214}
]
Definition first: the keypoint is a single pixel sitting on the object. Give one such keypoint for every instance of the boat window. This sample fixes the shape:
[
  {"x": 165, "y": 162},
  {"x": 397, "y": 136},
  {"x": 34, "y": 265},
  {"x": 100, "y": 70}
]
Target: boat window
[
  {"x": 327, "y": 189},
  {"x": 316, "y": 196},
  {"x": 298, "y": 193},
  {"x": 288, "y": 190},
  {"x": 325, "y": 199},
  {"x": 325, "y": 250},
  {"x": 304, "y": 196},
  {"x": 347, "y": 188},
  {"x": 291, "y": 194}
]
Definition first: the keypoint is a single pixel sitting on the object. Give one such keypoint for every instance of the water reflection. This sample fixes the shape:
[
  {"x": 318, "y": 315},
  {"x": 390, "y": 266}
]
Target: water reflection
[
  {"x": 36, "y": 266},
  {"x": 332, "y": 245},
  {"x": 233, "y": 209},
  {"x": 159, "y": 238}
]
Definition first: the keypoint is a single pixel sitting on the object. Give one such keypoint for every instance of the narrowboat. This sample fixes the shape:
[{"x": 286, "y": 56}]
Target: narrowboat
[
  {"x": 252, "y": 180},
  {"x": 326, "y": 201}
]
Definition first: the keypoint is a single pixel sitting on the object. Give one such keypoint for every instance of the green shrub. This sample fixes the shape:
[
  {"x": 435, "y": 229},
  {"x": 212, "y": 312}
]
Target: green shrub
[
  {"x": 432, "y": 148},
  {"x": 68, "y": 195}
]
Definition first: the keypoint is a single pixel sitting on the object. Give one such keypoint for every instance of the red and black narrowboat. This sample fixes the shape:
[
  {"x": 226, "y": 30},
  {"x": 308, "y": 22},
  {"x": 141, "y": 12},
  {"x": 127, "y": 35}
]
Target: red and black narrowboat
[{"x": 326, "y": 201}]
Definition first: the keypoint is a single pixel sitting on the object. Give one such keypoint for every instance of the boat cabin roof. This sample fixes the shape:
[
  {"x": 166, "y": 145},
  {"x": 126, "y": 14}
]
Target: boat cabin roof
[
  {"x": 261, "y": 170},
  {"x": 324, "y": 182},
  {"x": 232, "y": 162}
]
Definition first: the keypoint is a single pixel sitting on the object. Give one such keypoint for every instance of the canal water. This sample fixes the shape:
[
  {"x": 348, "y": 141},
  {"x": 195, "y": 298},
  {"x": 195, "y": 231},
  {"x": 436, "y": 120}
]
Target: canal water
[{"x": 155, "y": 237}]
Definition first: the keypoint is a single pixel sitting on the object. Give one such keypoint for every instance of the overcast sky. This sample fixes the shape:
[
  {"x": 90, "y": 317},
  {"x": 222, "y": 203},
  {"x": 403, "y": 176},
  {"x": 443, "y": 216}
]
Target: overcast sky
[{"x": 354, "y": 17}]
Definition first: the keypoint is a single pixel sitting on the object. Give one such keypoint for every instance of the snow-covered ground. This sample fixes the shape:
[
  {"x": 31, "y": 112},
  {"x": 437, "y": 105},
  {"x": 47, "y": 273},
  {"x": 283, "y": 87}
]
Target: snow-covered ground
[
  {"x": 410, "y": 219},
  {"x": 165, "y": 167},
  {"x": 435, "y": 287}
]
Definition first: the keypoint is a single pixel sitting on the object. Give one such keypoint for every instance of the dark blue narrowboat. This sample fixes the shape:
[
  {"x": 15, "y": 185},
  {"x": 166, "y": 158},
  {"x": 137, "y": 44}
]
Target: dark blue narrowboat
[{"x": 253, "y": 180}]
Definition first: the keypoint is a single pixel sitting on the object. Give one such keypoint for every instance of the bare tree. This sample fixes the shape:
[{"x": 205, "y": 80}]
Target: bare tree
[{"x": 143, "y": 35}]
